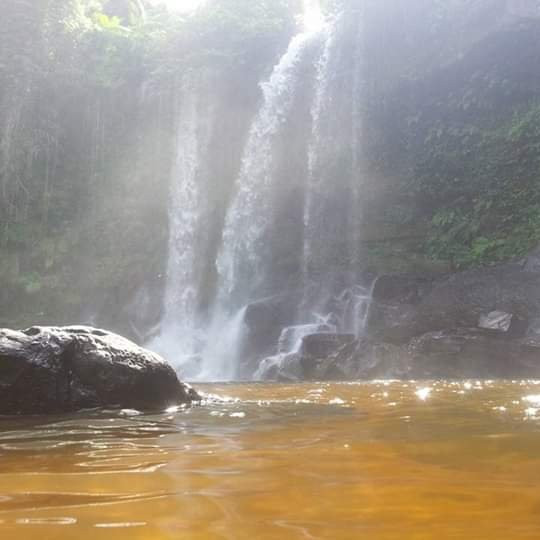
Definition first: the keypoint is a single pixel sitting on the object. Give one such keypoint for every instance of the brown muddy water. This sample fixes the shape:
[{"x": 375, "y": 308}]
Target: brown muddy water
[{"x": 384, "y": 460}]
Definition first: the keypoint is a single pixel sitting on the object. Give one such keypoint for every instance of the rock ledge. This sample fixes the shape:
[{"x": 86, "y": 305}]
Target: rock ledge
[{"x": 48, "y": 370}]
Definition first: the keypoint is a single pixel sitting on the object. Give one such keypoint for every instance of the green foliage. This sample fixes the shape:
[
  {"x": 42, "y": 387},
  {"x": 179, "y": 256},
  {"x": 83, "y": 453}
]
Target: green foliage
[
  {"x": 484, "y": 186},
  {"x": 228, "y": 34},
  {"x": 111, "y": 24},
  {"x": 87, "y": 107}
]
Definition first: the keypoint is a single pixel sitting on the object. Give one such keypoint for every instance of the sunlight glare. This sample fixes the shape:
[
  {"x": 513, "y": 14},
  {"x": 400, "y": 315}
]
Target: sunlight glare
[
  {"x": 184, "y": 6},
  {"x": 423, "y": 393},
  {"x": 313, "y": 18}
]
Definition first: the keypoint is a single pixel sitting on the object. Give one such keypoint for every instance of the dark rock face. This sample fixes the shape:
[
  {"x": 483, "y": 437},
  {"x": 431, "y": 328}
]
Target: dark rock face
[
  {"x": 265, "y": 319},
  {"x": 323, "y": 344},
  {"x": 46, "y": 370},
  {"x": 473, "y": 352},
  {"x": 482, "y": 323},
  {"x": 456, "y": 301},
  {"x": 477, "y": 323},
  {"x": 400, "y": 288}
]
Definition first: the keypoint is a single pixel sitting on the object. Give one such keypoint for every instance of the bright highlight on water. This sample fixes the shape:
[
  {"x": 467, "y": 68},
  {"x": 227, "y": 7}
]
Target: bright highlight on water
[{"x": 322, "y": 461}]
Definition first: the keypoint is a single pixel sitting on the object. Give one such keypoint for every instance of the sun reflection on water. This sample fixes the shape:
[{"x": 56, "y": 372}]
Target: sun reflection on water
[{"x": 262, "y": 456}]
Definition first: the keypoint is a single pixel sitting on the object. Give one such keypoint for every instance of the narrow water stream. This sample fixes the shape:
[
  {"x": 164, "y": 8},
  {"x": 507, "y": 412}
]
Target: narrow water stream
[{"x": 384, "y": 460}]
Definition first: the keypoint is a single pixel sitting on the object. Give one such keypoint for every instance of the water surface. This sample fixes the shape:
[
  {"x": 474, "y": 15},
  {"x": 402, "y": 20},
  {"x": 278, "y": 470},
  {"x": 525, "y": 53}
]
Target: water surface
[{"x": 385, "y": 460}]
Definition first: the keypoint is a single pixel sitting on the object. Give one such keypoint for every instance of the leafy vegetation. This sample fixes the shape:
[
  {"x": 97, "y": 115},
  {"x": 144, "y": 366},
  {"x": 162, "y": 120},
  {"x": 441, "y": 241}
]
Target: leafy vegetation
[
  {"x": 457, "y": 132},
  {"x": 88, "y": 94},
  {"x": 88, "y": 101},
  {"x": 486, "y": 193}
]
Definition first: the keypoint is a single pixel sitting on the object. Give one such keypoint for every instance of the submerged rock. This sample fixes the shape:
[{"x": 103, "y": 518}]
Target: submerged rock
[{"x": 45, "y": 370}]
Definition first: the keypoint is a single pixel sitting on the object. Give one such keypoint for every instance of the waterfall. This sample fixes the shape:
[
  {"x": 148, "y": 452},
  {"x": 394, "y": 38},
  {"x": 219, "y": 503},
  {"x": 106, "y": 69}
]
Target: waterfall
[
  {"x": 332, "y": 217},
  {"x": 314, "y": 92},
  {"x": 312, "y": 189},
  {"x": 356, "y": 139},
  {"x": 241, "y": 263},
  {"x": 179, "y": 337}
]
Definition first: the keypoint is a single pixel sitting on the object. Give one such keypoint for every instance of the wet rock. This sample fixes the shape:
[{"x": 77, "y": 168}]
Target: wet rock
[
  {"x": 532, "y": 261},
  {"x": 292, "y": 336},
  {"x": 264, "y": 320},
  {"x": 383, "y": 361},
  {"x": 533, "y": 329},
  {"x": 324, "y": 344},
  {"x": 456, "y": 301},
  {"x": 472, "y": 352},
  {"x": 498, "y": 321},
  {"x": 46, "y": 370},
  {"x": 400, "y": 288},
  {"x": 340, "y": 365},
  {"x": 323, "y": 356},
  {"x": 359, "y": 360},
  {"x": 281, "y": 367},
  {"x": 393, "y": 323},
  {"x": 268, "y": 369}
]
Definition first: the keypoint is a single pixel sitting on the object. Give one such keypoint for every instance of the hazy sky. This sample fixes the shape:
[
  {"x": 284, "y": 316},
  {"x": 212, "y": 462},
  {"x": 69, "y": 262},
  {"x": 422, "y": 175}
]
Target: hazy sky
[{"x": 180, "y": 5}]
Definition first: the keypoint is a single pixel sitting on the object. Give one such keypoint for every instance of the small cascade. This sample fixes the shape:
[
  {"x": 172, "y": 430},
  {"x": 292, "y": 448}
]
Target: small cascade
[
  {"x": 348, "y": 315},
  {"x": 291, "y": 337},
  {"x": 354, "y": 304}
]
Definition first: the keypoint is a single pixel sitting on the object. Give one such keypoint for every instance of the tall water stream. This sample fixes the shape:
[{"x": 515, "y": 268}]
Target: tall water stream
[{"x": 286, "y": 228}]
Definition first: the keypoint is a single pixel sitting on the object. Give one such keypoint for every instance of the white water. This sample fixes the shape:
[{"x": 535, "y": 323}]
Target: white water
[
  {"x": 312, "y": 191},
  {"x": 179, "y": 337},
  {"x": 240, "y": 263},
  {"x": 212, "y": 351},
  {"x": 224, "y": 339},
  {"x": 356, "y": 135}
]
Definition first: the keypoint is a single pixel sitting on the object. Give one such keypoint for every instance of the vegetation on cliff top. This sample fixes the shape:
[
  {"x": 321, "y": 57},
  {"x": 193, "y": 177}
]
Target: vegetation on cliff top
[{"x": 88, "y": 94}]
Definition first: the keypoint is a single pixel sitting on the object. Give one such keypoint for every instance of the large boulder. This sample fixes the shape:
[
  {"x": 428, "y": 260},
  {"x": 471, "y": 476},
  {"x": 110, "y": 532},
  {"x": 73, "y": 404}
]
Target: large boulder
[{"x": 45, "y": 370}]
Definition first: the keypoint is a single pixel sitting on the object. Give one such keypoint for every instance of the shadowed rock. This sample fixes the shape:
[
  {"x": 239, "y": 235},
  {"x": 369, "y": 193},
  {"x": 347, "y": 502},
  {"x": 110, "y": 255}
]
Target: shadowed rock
[{"x": 45, "y": 370}]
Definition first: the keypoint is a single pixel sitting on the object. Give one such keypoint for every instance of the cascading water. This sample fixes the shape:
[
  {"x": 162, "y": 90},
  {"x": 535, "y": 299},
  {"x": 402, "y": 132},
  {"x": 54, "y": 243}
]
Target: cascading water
[
  {"x": 331, "y": 209},
  {"x": 313, "y": 192},
  {"x": 332, "y": 198},
  {"x": 326, "y": 214},
  {"x": 179, "y": 336},
  {"x": 356, "y": 139},
  {"x": 241, "y": 263}
]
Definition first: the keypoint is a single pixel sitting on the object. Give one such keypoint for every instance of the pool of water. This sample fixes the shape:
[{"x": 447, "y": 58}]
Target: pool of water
[{"x": 384, "y": 460}]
